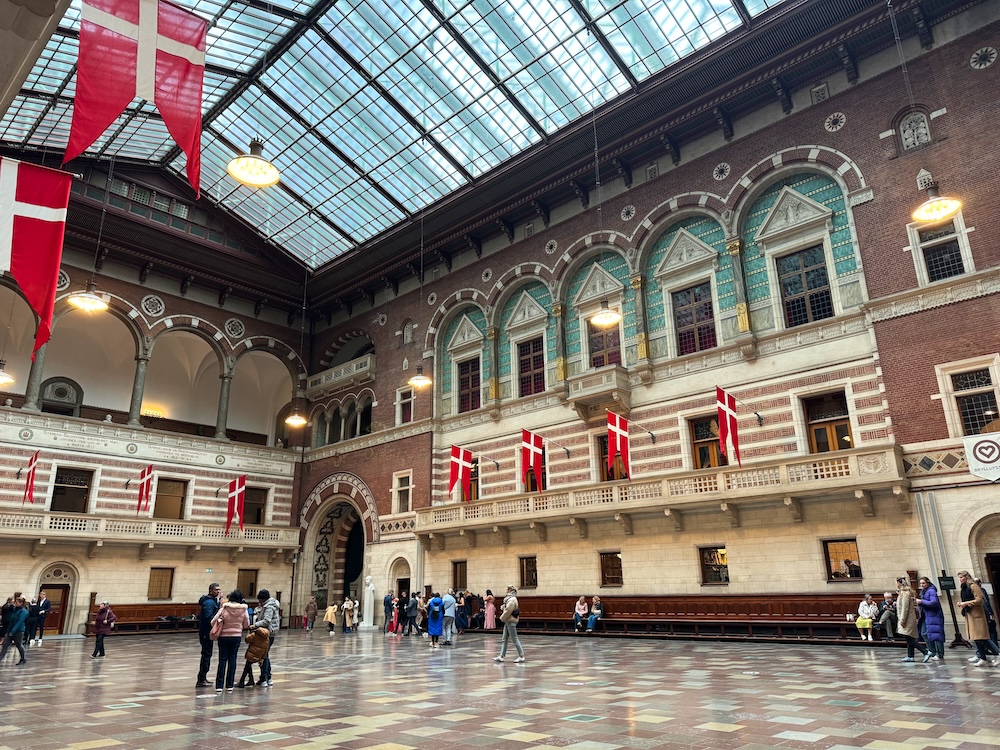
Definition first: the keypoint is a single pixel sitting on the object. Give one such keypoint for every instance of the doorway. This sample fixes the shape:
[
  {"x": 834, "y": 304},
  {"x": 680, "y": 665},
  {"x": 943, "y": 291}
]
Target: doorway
[
  {"x": 403, "y": 587},
  {"x": 993, "y": 575},
  {"x": 58, "y": 594}
]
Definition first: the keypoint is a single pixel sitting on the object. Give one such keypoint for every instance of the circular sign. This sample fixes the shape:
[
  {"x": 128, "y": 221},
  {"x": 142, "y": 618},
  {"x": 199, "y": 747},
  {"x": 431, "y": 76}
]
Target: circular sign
[
  {"x": 131, "y": 448},
  {"x": 987, "y": 451},
  {"x": 220, "y": 459}
]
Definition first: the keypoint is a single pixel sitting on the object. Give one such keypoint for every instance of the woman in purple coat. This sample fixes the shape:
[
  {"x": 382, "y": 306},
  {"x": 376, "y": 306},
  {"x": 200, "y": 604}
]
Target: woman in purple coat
[
  {"x": 104, "y": 624},
  {"x": 932, "y": 620}
]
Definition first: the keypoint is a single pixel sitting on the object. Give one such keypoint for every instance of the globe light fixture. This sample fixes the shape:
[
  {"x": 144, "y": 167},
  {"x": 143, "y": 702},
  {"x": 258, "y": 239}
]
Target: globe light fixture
[
  {"x": 937, "y": 207},
  {"x": 605, "y": 317},
  {"x": 295, "y": 419},
  {"x": 252, "y": 169},
  {"x": 5, "y": 377},
  {"x": 419, "y": 380},
  {"x": 89, "y": 301}
]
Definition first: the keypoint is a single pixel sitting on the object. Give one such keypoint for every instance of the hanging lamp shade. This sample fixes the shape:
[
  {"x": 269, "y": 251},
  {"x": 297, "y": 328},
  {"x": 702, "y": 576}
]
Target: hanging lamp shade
[
  {"x": 937, "y": 207},
  {"x": 295, "y": 419},
  {"x": 5, "y": 377},
  {"x": 252, "y": 169},
  {"x": 419, "y": 380},
  {"x": 90, "y": 300},
  {"x": 605, "y": 317}
]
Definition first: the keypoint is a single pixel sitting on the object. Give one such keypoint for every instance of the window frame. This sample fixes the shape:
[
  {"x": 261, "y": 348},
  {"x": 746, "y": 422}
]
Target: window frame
[
  {"x": 916, "y": 248},
  {"x": 397, "y": 490},
  {"x": 949, "y": 396},
  {"x": 528, "y": 337},
  {"x": 402, "y": 401},
  {"x": 672, "y": 319},
  {"x": 707, "y": 567},
  {"x": 93, "y": 488},
  {"x": 475, "y": 392},
  {"x": 268, "y": 504},
  {"x": 528, "y": 487},
  {"x": 722, "y": 460},
  {"x": 830, "y": 423},
  {"x": 170, "y": 586},
  {"x": 460, "y": 575},
  {"x": 591, "y": 330},
  {"x": 527, "y": 573},
  {"x": 185, "y": 499},
  {"x": 601, "y": 474},
  {"x": 805, "y": 294},
  {"x": 603, "y": 559},
  {"x": 834, "y": 576}
]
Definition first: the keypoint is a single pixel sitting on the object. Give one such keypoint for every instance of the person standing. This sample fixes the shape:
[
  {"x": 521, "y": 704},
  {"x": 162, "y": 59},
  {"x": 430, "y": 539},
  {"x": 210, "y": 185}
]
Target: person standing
[
  {"x": 411, "y": 615},
  {"x": 977, "y": 628},
  {"x": 312, "y": 609},
  {"x": 270, "y": 618},
  {"x": 208, "y": 607},
  {"x": 932, "y": 616},
  {"x": 330, "y": 618},
  {"x": 235, "y": 620},
  {"x": 435, "y": 619},
  {"x": 449, "y": 602},
  {"x": 6, "y": 611},
  {"x": 509, "y": 616},
  {"x": 258, "y": 644},
  {"x": 31, "y": 626},
  {"x": 387, "y": 607},
  {"x": 104, "y": 625},
  {"x": 44, "y": 606},
  {"x": 15, "y": 629},
  {"x": 490, "y": 619},
  {"x": 906, "y": 611},
  {"x": 348, "y": 609}
]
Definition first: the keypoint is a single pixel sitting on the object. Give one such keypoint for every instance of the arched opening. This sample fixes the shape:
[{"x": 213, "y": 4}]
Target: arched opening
[
  {"x": 17, "y": 338},
  {"x": 355, "y": 348},
  {"x": 338, "y": 554},
  {"x": 182, "y": 385},
  {"x": 58, "y": 582},
  {"x": 400, "y": 579},
  {"x": 260, "y": 387}
]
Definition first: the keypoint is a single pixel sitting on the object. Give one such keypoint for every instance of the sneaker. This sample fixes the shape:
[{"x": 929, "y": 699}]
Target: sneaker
[
  {"x": 907, "y": 658},
  {"x": 979, "y": 662},
  {"x": 497, "y": 658},
  {"x": 519, "y": 660},
  {"x": 270, "y": 683},
  {"x": 199, "y": 683},
  {"x": 972, "y": 659},
  {"x": 927, "y": 657},
  {"x": 218, "y": 690},
  {"x": 228, "y": 690},
  {"x": 935, "y": 658}
]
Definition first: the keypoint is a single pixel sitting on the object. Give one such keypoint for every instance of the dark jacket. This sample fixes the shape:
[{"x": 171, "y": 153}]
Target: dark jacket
[
  {"x": 207, "y": 609},
  {"x": 6, "y": 613},
  {"x": 933, "y": 615},
  {"x": 17, "y": 619},
  {"x": 105, "y": 618},
  {"x": 44, "y": 607}
]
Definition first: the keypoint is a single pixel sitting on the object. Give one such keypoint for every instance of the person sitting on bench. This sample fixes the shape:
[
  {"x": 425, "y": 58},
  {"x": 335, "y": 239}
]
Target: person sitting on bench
[
  {"x": 596, "y": 613},
  {"x": 580, "y": 612}
]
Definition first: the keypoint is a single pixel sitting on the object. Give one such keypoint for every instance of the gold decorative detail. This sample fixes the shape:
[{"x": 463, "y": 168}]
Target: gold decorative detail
[
  {"x": 559, "y": 309},
  {"x": 734, "y": 246},
  {"x": 636, "y": 281},
  {"x": 494, "y": 388},
  {"x": 642, "y": 350},
  {"x": 492, "y": 333},
  {"x": 743, "y": 316},
  {"x": 560, "y": 369}
]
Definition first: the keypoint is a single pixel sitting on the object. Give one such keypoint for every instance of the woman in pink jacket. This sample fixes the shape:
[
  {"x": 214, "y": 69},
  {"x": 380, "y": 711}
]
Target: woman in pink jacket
[{"x": 235, "y": 620}]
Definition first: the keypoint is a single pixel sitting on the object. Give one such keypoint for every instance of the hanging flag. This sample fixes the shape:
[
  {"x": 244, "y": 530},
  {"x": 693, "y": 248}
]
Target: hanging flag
[
  {"x": 618, "y": 441},
  {"x": 145, "y": 488},
  {"x": 532, "y": 456},
  {"x": 151, "y": 49},
  {"x": 29, "y": 482},
  {"x": 33, "y": 203},
  {"x": 461, "y": 471},
  {"x": 728, "y": 424},
  {"x": 237, "y": 498}
]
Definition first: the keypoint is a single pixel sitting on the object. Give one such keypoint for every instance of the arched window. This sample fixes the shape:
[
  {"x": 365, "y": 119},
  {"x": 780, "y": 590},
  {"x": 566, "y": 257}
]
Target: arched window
[
  {"x": 914, "y": 130},
  {"x": 61, "y": 396},
  {"x": 319, "y": 430},
  {"x": 351, "y": 420},
  {"x": 365, "y": 417},
  {"x": 335, "y": 430}
]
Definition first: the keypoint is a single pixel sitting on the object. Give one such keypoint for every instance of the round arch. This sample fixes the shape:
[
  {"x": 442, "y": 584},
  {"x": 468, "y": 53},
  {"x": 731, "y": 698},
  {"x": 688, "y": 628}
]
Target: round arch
[
  {"x": 120, "y": 308},
  {"x": 330, "y": 355},
  {"x": 587, "y": 254},
  {"x": 450, "y": 306},
  {"x": 668, "y": 213}
]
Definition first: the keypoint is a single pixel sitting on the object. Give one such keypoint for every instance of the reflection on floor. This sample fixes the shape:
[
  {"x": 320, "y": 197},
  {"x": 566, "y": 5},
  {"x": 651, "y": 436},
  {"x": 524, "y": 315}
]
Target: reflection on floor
[{"x": 369, "y": 691}]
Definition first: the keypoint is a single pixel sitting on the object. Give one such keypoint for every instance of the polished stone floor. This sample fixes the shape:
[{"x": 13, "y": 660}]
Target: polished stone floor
[{"x": 369, "y": 691}]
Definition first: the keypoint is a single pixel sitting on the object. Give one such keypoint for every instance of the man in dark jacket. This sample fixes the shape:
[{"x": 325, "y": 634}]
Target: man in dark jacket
[
  {"x": 208, "y": 605},
  {"x": 44, "y": 607},
  {"x": 15, "y": 630}
]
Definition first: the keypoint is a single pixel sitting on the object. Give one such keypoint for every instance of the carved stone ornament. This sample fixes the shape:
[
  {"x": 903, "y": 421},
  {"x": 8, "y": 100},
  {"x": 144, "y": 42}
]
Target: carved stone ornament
[
  {"x": 598, "y": 285},
  {"x": 685, "y": 251},
  {"x": 63, "y": 283},
  {"x": 792, "y": 212},
  {"x": 526, "y": 312},
  {"x": 466, "y": 335},
  {"x": 873, "y": 463},
  {"x": 551, "y": 246},
  {"x": 152, "y": 305},
  {"x": 235, "y": 328}
]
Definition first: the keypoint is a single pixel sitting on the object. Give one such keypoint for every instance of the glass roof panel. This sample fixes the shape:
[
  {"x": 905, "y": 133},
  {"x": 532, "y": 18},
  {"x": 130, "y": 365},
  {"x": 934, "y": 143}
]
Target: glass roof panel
[
  {"x": 756, "y": 7},
  {"x": 56, "y": 63},
  {"x": 242, "y": 35},
  {"x": 20, "y": 118}
]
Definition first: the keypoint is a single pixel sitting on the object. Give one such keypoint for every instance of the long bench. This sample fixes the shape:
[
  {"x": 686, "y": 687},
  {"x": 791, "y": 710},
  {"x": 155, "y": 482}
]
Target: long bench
[
  {"x": 149, "y": 618},
  {"x": 811, "y": 618}
]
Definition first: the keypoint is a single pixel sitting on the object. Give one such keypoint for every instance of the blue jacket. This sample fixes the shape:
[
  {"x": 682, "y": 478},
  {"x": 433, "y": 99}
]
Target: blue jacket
[
  {"x": 17, "y": 620},
  {"x": 930, "y": 608},
  {"x": 209, "y": 607}
]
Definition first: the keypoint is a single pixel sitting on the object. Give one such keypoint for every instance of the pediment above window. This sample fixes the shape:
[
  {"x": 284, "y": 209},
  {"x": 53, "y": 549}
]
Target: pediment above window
[
  {"x": 598, "y": 285},
  {"x": 527, "y": 313},
  {"x": 467, "y": 336},
  {"x": 793, "y": 215},
  {"x": 686, "y": 253}
]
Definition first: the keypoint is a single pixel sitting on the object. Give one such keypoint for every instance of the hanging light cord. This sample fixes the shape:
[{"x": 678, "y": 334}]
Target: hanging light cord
[
  {"x": 899, "y": 51},
  {"x": 597, "y": 167},
  {"x": 104, "y": 213}
]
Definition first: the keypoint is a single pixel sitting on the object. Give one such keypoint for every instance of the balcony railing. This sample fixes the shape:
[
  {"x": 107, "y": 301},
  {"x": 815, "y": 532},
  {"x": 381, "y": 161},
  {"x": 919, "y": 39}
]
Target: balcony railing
[
  {"x": 360, "y": 370},
  {"x": 93, "y": 528},
  {"x": 832, "y": 474}
]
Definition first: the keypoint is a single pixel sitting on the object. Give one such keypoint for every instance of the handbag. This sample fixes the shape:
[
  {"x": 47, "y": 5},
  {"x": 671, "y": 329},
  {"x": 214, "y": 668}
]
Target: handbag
[{"x": 216, "y": 630}]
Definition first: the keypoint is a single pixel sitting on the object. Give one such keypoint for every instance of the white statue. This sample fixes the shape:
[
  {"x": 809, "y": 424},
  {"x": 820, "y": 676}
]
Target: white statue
[{"x": 368, "y": 605}]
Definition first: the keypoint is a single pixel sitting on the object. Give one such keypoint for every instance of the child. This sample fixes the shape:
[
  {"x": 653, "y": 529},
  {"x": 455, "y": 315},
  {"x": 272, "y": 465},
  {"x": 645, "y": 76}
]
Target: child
[{"x": 258, "y": 641}]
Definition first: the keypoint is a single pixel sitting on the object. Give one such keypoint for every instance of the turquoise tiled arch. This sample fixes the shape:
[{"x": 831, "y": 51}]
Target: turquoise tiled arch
[
  {"x": 709, "y": 231},
  {"x": 617, "y": 266},
  {"x": 823, "y": 190},
  {"x": 486, "y": 363},
  {"x": 539, "y": 292}
]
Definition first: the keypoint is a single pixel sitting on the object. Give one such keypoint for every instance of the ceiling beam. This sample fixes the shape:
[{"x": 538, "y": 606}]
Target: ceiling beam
[{"x": 606, "y": 45}]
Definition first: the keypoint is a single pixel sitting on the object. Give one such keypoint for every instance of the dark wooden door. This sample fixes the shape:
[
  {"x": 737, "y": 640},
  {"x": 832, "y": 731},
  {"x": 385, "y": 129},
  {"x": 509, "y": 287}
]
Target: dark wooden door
[
  {"x": 58, "y": 594},
  {"x": 403, "y": 587}
]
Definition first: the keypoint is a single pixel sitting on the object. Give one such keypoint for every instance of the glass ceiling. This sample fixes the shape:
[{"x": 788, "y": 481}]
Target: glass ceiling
[{"x": 377, "y": 108}]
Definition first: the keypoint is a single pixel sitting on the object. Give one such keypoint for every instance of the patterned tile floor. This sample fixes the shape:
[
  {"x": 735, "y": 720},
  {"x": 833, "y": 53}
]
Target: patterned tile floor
[{"x": 369, "y": 691}]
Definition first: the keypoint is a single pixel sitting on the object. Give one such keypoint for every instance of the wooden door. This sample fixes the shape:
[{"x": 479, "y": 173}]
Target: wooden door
[{"x": 58, "y": 594}]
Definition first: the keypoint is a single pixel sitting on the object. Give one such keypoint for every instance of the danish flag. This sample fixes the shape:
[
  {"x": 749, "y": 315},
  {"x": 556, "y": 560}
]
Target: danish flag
[
  {"x": 33, "y": 203},
  {"x": 532, "y": 456},
  {"x": 151, "y": 49},
  {"x": 29, "y": 483},
  {"x": 237, "y": 498},
  {"x": 145, "y": 488},
  {"x": 618, "y": 441},
  {"x": 461, "y": 471},
  {"x": 728, "y": 424}
]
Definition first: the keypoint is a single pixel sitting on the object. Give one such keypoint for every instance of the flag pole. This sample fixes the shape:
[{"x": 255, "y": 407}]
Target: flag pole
[
  {"x": 489, "y": 458},
  {"x": 558, "y": 445},
  {"x": 760, "y": 419}
]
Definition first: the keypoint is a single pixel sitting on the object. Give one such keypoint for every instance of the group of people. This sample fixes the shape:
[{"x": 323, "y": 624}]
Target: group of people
[
  {"x": 224, "y": 622},
  {"x": 22, "y": 623},
  {"x": 461, "y": 610},
  {"x": 918, "y": 615},
  {"x": 590, "y": 613},
  {"x": 347, "y": 615}
]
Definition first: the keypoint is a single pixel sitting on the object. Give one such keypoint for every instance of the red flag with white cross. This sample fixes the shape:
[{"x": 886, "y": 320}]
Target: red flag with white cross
[
  {"x": 237, "y": 499},
  {"x": 618, "y": 441},
  {"x": 145, "y": 488},
  {"x": 461, "y": 471},
  {"x": 728, "y": 424},
  {"x": 532, "y": 457},
  {"x": 29, "y": 482}
]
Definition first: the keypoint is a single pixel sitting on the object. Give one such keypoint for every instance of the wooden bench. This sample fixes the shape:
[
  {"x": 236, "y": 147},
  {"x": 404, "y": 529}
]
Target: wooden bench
[
  {"x": 809, "y": 618},
  {"x": 148, "y": 618}
]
